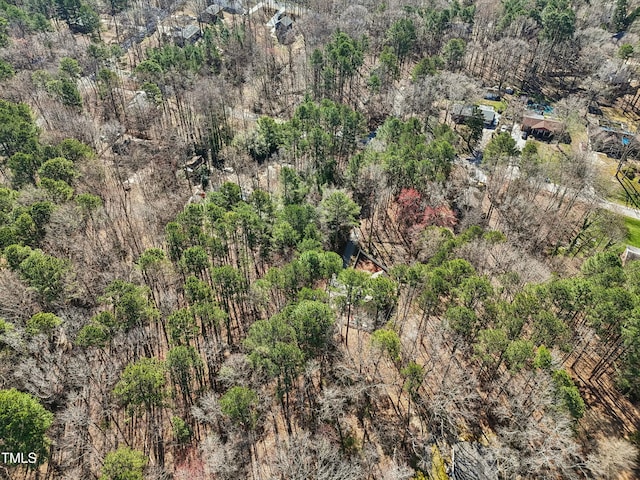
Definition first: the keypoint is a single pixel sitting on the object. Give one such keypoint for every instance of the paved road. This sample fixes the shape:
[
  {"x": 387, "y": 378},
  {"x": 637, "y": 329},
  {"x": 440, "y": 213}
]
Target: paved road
[
  {"x": 620, "y": 209},
  {"x": 478, "y": 175},
  {"x": 604, "y": 204}
]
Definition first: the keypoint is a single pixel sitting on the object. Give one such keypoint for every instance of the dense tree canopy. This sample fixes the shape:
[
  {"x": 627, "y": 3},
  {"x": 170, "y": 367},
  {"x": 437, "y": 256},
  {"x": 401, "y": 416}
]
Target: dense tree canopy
[
  {"x": 230, "y": 254},
  {"x": 141, "y": 384},
  {"x": 23, "y": 424},
  {"x": 338, "y": 215},
  {"x": 123, "y": 464},
  {"x": 18, "y": 132}
]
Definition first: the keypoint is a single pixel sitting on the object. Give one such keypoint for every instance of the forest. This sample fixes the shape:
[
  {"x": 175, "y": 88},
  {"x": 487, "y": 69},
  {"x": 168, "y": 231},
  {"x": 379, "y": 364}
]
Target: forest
[{"x": 321, "y": 240}]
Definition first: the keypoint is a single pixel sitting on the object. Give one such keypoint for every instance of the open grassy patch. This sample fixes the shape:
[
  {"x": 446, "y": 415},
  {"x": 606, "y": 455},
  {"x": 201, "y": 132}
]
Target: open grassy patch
[
  {"x": 619, "y": 115},
  {"x": 577, "y": 131},
  {"x": 547, "y": 152},
  {"x": 438, "y": 468},
  {"x": 607, "y": 185},
  {"x": 619, "y": 196},
  {"x": 551, "y": 159},
  {"x": 615, "y": 192},
  {"x": 633, "y": 227},
  {"x": 498, "y": 106}
]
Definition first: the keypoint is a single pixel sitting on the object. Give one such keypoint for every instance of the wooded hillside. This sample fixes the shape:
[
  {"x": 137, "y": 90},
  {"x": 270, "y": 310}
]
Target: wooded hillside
[{"x": 319, "y": 240}]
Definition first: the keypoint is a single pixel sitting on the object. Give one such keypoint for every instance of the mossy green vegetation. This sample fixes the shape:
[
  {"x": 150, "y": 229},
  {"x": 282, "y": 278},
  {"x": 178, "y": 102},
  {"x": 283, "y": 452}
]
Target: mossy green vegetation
[{"x": 633, "y": 229}]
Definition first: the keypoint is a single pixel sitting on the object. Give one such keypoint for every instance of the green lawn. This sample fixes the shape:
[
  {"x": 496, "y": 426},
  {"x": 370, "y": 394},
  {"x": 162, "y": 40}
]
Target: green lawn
[
  {"x": 633, "y": 226},
  {"x": 499, "y": 107},
  {"x": 617, "y": 193},
  {"x": 577, "y": 131}
]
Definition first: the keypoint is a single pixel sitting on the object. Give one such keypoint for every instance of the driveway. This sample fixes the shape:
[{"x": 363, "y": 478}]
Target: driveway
[
  {"x": 516, "y": 133},
  {"x": 487, "y": 133}
]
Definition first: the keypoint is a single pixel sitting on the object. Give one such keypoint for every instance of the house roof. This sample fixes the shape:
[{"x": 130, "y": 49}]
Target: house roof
[
  {"x": 462, "y": 110},
  {"x": 273, "y": 21},
  {"x": 539, "y": 122},
  {"x": 195, "y": 161},
  {"x": 190, "y": 31},
  {"x": 488, "y": 113},
  {"x": 286, "y": 21},
  {"x": 231, "y": 6},
  {"x": 631, "y": 253},
  {"x": 213, "y": 9},
  {"x": 633, "y": 250}
]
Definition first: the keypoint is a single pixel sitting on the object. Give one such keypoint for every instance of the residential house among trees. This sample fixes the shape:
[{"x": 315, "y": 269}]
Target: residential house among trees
[
  {"x": 283, "y": 26},
  {"x": 256, "y": 254},
  {"x": 540, "y": 126},
  {"x": 461, "y": 113},
  {"x": 630, "y": 254},
  {"x": 234, "y": 7},
  {"x": 614, "y": 138},
  {"x": 280, "y": 24},
  {"x": 187, "y": 35},
  {"x": 488, "y": 114},
  {"x": 211, "y": 14}
]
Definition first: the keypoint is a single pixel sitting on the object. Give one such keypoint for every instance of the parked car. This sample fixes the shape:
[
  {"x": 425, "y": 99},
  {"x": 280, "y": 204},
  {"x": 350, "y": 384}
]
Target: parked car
[
  {"x": 504, "y": 128},
  {"x": 525, "y": 135},
  {"x": 595, "y": 110}
]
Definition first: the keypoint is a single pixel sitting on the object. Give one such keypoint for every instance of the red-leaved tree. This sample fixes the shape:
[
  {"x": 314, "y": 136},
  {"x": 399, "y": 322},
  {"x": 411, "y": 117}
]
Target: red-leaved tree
[
  {"x": 414, "y": 215},
  {"x": 441, "y": 216},
  {"x": 410, "y": 208}
]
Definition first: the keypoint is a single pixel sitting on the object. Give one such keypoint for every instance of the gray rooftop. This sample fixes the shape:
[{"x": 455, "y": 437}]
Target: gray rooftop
[
  {"x": 213, "y": 9},
  {"x": 231, "y": 6},
  {"x": 190, "y": 31},
  {"x": 286, "y": 21}
]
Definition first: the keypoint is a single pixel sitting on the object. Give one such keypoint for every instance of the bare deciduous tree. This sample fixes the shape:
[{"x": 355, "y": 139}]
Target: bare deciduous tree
[
  {"x": 612, "y": 457},
  {"x": 221, "y": 459},
  {"x": 305, "y": 456}
]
